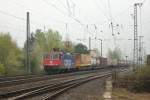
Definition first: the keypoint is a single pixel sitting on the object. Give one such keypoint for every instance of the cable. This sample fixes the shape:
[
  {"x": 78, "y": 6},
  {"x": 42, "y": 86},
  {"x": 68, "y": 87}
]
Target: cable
[
  {"x": 143, "y": 2},
  {"x": 18, "y": 4},
  {"x": 122, "y": 12},
  {"x": 10, "y": 26},
  {"x": 19, "y": 18},
  {"x": 63, "y": 4},
  {"x": 109, "y": 9},
  {"x": 62, "y": 12},
  {"x": 53, "y": 5},
  {"x": 8, "y": 14},
  {"x": 37, "y": 13},
  {"x": 98, "y": 6},
  {"x": 112, "y": 26}
]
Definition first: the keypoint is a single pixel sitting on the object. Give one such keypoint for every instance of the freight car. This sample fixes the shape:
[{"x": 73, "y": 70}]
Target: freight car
[
  {"x": 103, "y": 61},
  {"x": 58, "y": 61},
  {"x": 82, "y": 60}
]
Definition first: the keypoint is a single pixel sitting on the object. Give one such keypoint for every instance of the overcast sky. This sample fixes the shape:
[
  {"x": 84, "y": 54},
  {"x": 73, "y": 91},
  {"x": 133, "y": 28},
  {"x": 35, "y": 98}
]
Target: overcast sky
[{"x": 97, "y": 14}]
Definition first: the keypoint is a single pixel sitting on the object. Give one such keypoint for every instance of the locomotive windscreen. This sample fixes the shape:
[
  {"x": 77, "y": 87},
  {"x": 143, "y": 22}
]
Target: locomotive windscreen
[
  {"x": 46, "y": 56},
  {"x": 54, "y": 56}
]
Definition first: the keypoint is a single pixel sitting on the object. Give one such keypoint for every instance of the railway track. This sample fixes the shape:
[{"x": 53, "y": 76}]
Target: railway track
[
  {"x": 67, "y": 86},
  {"x": 6, "y": 78},
  {"x": 17, "y": 77},
  {"x": 63, "y": 88},
  {"x": 19, "y": 80},
  {"x": 9, "y": 81},
  {"x": 54, "y": 88}
]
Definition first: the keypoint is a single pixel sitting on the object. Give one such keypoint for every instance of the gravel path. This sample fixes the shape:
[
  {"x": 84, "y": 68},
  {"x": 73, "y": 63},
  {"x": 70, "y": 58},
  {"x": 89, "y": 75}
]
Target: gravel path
[{"x": 92, "y": 90}]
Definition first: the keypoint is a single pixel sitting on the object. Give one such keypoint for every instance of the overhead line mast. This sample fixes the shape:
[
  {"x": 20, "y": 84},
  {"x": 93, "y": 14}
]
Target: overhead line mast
[
  {"x": 140, "y": 51},
  {"x": 28, "y": 44},
  {"x": 135, "y": 50}
]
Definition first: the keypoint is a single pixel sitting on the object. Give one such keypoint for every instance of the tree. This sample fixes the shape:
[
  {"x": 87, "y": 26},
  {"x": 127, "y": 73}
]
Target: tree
[
  {"x": 115, "y": 54},
  {"x": 48, "y": 40},
  {"x": 10, "y": 54},
  {"x": 43, "y": 42},
  {"x": 2, "y": 69},
  {"x": 80, "y": 48},
  {"x": 68, "y": 46}
]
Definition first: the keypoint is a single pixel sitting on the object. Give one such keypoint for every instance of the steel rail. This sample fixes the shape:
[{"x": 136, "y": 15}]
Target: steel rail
[
  {"x": 27, "y": 89},
  {"x": 24, "y": 93},
  {"x": 75, "y": 84},
  {"x": 72, "y": 85},
  {"x": 38, "y": 78},
  {"x": 53, "y": 87}
]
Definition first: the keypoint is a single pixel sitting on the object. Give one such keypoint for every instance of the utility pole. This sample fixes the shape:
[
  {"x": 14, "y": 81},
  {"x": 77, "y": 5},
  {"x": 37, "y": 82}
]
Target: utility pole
[
  {"x": 66, "y": 28},
  {"x": 101, "y": 47},
  {"x": 101, "y": 51},
  {"x": 89, "y": 43},
  {"x": 143, "y": 53},
  {"x": 112, "y": 28},
  {"x": 44, "y": 28},
  {"x": 28, "y": 44},
  {"x": 87, "y": 28},
  {"x": 69, "y": 8},
  {"x": 140, "y": 51},
  {"x": 135, "y": 50},
  {"x": 126, "y": 60}
]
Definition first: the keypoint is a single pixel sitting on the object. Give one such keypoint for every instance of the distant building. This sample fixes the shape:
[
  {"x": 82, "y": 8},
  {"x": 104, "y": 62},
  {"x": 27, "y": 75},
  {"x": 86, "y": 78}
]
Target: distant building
[{"x": 94, "y": 53}]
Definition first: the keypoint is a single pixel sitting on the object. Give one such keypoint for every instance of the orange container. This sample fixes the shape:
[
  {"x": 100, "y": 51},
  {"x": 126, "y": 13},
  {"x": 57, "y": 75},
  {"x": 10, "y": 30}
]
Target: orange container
[
  {"x": 82, "y": 60},
  {"x": 85, "y": 59},
  {"x": 77, "y": 60}
]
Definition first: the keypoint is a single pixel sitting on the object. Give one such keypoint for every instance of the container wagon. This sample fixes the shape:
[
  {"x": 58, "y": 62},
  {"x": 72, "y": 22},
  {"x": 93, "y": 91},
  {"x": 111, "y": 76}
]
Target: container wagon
[{"x": 82, "y": 60}]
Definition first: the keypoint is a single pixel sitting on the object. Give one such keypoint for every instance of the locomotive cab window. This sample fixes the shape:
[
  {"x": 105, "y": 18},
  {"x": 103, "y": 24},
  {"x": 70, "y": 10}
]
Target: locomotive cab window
[
  {"x": 46, "y": 56},
  {"x": 55, "y": 56}
]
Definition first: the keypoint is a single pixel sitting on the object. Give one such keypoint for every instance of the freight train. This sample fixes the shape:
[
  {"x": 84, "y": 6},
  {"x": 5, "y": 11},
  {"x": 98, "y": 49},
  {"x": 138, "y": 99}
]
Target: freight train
[{"x": 58, "y": 61}]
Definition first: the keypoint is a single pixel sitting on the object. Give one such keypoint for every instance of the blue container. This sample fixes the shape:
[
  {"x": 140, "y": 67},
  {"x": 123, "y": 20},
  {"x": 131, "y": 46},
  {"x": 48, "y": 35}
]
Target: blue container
[{"x": 68, "y": 61}]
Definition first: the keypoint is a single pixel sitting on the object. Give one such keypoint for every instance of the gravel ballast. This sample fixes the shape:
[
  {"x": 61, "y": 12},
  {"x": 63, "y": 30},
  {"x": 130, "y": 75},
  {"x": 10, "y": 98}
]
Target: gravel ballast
[{"x": 92, "y": 90}]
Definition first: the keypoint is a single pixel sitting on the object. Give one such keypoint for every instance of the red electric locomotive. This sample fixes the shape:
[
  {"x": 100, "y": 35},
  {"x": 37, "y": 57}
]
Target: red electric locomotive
[{"x": 58, "y": 61}]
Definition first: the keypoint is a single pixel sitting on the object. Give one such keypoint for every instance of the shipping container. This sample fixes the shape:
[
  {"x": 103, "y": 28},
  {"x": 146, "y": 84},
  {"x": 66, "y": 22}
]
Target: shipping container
[
  {"x": 97, "y": 61},
  {"x": 82, "y": 60},
  {"x": 86, "y": 59},
  {"x": 68, "y": 61},
  {"x": 77, "y": 60},
  {"x": 93, "y": 61},
  {"x": 103, "y": 61}
]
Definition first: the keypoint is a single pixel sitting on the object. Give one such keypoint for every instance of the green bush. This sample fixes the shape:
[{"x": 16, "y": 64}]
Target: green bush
[
  {"x": 142, "y": 77},
  {"x": 2, "y": 69},
  {"x": 10, "y": 55}
]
